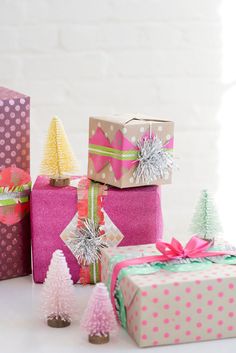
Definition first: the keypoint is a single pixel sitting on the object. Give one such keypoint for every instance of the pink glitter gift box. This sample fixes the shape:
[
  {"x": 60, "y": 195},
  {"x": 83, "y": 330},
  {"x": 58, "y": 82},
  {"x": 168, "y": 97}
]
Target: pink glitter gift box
[
  {"x": 135, "y": 212},
  {"x": 15, "y": 259},
  {"x": 168, "y": 306}
]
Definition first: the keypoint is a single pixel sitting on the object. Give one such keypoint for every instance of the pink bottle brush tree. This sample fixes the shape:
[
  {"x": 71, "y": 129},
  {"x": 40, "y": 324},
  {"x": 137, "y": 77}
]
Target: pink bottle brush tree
[
  {"x": 58, "y": 296},
  {"x": 99, "y": 319}
]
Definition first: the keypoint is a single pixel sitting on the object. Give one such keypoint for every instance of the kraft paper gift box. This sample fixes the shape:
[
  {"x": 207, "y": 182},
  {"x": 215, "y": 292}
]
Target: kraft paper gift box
[
  {"x": 116, "y": 146},
  {"x": 161, "y": 306},
  {"x": 15, "y": 248},
  {"x": 133, "y": 216}
]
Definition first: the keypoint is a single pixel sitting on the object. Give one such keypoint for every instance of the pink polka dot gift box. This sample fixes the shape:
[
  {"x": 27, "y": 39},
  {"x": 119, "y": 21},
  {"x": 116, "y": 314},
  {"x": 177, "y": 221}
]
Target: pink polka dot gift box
[
  {"x": 15, "y": 251},
  {"x": 167, "y": 294},
  {"x": 130, "y": 150}
]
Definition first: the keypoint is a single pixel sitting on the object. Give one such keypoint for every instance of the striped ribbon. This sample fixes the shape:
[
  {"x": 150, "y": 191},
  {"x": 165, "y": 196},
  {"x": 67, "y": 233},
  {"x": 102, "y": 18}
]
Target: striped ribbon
[
  {"x": 15, "y": 186},
  {"x": 17, "y": 194},
  {"x": 90, "y": 196}
]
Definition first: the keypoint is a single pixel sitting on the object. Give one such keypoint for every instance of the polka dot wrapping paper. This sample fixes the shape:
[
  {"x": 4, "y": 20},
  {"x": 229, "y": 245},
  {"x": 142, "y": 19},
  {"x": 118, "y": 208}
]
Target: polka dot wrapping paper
[
  {"x": 52, "y": 210},
  {"x": 14, "y": 129},
  {"x": 15, "y": 258},
  {"x": 114, "y": 152},
  {"x": 15, "y": 252},
  {"x": 167, "y": 307}
]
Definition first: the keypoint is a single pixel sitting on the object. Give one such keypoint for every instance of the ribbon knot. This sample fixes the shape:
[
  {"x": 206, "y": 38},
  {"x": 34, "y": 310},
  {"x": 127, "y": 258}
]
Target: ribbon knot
[{"x": 195, "y": 247}]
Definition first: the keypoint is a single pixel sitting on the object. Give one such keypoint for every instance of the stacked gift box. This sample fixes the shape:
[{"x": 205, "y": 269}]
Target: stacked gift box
[
  {"x": 126, "y": 208},
  {"x": 55, "y": 217}
]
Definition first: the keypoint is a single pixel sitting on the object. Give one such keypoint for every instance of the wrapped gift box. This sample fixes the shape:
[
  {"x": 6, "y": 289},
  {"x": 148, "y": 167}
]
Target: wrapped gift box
[
  {"x": 14, "y": 129},
  {"x": 114, "y": 146},
  {"x": 135, "y": 212},
  {"x": 15, "y": 249},
  {"x": 14, "y": 151},
  {"x": 170, "y": 306}
]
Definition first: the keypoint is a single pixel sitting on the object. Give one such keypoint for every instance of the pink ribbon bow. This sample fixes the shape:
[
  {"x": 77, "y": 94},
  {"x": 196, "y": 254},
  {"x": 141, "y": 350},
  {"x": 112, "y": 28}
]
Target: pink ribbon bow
[{"x": 195, "y": 247}]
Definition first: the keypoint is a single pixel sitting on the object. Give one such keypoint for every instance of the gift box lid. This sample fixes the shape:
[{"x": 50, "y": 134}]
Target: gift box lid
[
  {"x": 160, "y": 277},
  {"x": 6, "y": 93},
  {"x": 111, "y": 256},
  {"x": 131, "y": 119}
]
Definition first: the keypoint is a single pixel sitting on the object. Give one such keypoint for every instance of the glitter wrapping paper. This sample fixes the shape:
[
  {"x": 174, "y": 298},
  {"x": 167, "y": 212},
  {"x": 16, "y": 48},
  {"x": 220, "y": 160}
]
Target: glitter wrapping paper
[
  {"x": 15, "y": 251},
  {"x": 165, "y": 307},
  {"x": 53, "y": 208}
]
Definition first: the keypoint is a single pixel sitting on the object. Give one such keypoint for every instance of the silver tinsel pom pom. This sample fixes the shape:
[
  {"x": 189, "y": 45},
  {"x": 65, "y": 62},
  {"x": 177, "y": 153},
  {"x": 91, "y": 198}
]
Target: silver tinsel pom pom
[
  {"x": 86, "y": 243},
  {"x": 154, "y": 160}
]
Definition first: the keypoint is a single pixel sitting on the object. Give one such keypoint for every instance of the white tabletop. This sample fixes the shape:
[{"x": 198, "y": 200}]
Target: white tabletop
[{"x": 23, "y": 331}]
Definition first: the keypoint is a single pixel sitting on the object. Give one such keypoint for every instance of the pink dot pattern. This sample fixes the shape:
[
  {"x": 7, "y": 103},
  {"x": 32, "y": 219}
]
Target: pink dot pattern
[
  {"x": 14, "y": 150},
  {"x": 14, "y": 130},
  {"x": 15, "y": 249},
  {"x": 172, "y": 308}
]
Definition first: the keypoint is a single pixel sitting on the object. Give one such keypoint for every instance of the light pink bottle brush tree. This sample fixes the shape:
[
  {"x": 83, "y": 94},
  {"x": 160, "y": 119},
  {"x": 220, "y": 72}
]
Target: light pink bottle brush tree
[
  {"x": 99, "y": 319},
  {"x": 58, "y": 296}
]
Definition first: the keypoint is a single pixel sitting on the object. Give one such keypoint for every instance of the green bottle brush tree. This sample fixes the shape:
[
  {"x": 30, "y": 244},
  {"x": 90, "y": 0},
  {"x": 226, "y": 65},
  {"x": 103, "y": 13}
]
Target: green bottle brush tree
[{"x": 205, "y": 221}]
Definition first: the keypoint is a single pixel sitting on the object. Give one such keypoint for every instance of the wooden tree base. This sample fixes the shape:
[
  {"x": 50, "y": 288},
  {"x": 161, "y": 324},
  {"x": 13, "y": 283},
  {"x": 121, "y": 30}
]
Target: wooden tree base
[
  {"x": 99, "y": 339},
  {"x": 58, "y": 322},
  {"x": 59, "y": 182}
]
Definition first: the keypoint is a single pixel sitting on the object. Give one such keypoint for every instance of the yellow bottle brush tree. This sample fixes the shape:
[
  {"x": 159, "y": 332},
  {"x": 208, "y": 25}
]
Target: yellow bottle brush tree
[{"x": 59, "y": 161}]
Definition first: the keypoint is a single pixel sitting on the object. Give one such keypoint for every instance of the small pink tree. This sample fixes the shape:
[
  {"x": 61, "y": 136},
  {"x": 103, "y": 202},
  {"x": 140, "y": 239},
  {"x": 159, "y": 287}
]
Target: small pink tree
[
  {"x": 99, "y": 319},
  {"x": 58, "y": 297}
]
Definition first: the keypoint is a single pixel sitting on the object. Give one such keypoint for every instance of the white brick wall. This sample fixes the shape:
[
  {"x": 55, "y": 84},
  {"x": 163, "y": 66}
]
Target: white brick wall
[{"x": 162, "y": 57}]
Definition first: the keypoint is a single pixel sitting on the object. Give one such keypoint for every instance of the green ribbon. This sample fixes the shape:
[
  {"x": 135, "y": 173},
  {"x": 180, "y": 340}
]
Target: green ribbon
[
  {"x": 92, "y": 201},
  {"x": 146, "y": 269},
  {"x": 94, "y": 273},
  {"x": 93, "y": 193},
  {"x": 131, "y": 155}
]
